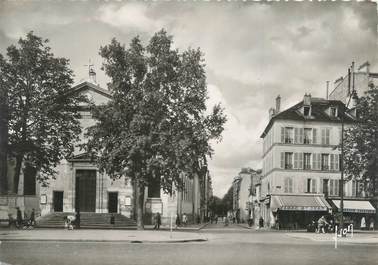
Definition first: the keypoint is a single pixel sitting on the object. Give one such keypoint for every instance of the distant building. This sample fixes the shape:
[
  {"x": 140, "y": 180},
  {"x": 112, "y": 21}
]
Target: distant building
[
  {"x": 243, "y": 190},
  {"x": 301, "y": 171}
]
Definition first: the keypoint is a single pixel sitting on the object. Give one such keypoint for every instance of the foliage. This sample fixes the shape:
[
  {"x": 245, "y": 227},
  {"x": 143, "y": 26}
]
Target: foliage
[
  {"x": 227, "y": 200},
  {"x": 42, "y": 111},
  {"x": 156, "y": 126},
  {"x": 361, "y": 141}
]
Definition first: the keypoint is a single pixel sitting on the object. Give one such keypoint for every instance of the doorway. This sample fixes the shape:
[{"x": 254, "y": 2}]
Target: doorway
[
  {"x": 58, "y": 201},
  {"x": 85, "y": 191},
  {"x": 113, "y": 202}
]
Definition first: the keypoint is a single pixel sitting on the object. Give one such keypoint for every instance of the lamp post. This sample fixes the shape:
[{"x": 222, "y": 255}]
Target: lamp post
[{"x": 350, "y": 94}]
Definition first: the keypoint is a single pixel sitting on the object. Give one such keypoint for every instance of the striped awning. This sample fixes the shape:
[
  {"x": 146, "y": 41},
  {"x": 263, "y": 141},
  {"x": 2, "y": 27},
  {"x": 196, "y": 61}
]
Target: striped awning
[
  {"x": 304, "y": 202},
  {"x": 355, "y": 206}
]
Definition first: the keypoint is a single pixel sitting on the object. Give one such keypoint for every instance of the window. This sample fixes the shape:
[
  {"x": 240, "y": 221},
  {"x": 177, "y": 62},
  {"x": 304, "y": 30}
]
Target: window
[
  {"x": 288, "y": 160},
  {"x": 307, "y": 136},
  {"x": 306, "y": 161},
  {"x": 334, "y": 162},
  {"x": 298, "y": 160},
  {"x": 325, "y": 161},
  {"x": 325, "y": 136},
  {"x": 29, "y": 180},
  {"x": 154, "y": 188},
  {"x": 325, "y": 187},
  {"x": 334, "y": 187},
  {"x": 316, "y": 161},
  {"x": 333, "y": 112},
  {"x": 311, "y": 185},
  {"x": 288, "y": 135},
  {"x": 314, "y": 136},
  {"x": 288, "y": 187},
  {"x": 306, "y": 111}
]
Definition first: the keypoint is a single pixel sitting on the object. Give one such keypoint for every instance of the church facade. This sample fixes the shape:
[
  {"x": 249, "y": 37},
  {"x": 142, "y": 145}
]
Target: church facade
[{"x": 80, "y": 186}]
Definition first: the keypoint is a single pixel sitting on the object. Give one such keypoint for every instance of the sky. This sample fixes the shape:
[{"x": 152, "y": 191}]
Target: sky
[{"x": 253, "y": 52}]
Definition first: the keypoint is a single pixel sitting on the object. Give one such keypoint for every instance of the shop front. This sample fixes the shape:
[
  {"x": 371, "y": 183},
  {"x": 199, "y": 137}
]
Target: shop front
[
  {"x": 360, "y": 213},
  {"x": 297, "y": 211}
]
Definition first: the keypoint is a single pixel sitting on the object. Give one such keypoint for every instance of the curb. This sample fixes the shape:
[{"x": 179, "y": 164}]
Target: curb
[{"x": 103, "y": 241}]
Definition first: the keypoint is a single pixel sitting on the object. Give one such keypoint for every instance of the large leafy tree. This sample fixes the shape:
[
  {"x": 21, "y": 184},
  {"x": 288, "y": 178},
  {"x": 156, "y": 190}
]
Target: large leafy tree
[
  {"x": 42, "y": 112},
  {"x": 3, "y": 130},
  {"x": 361, "y": 142},
  {"x": 155, "y": 129}
]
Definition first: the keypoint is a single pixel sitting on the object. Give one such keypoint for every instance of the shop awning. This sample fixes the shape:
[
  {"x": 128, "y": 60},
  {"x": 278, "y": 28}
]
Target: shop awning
[
  {"x": 310, "y": 202},
  {"x": 355, "y": 206}
]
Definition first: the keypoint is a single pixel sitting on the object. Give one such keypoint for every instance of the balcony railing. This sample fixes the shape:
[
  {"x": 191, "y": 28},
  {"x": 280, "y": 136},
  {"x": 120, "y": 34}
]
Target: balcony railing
[
  {"x": 288, "y": 166},
  {"x": 307, "y": 141},
  {"x": 325, "y": 167},
  {"x": 307, "y": 167},
  {"x": 288, "y": 140}
]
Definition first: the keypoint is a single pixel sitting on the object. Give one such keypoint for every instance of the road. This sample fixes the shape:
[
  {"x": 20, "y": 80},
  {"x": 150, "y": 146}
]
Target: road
[{"x": 226, "y": 245}]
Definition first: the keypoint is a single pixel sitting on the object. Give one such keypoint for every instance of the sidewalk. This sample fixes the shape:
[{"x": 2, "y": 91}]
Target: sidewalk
[
  {"x": 358, "y": 237},
  {"x": 97, "y": 235}
]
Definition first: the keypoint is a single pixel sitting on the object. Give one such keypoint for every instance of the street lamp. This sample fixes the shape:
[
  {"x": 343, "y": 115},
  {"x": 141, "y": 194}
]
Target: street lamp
[{"x": 354, "y": 95}]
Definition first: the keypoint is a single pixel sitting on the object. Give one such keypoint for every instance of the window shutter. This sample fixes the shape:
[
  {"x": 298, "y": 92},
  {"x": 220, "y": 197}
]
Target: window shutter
[
  {"x": 286, "y": 185},
  {"x": 296, "y": 135},
  {"x": 301, "y": 132},
  {"x": 337, "y": 161},
  {"x": 314, "y": 166},
  {"x": 314, "y": 136},
  {"x": 313, "y": 186},
  {"x": 282, "y": 160},
  {"x": 290, "y": 185},
  {"x": 282, "y": 134},
  {"x": 328, "y": 134},
  {"x": 296, "y": 160},
  {"x": 332, "y": 161},
  {"x": 323, "y": 136},
  {"x": 300, "y": 164}
]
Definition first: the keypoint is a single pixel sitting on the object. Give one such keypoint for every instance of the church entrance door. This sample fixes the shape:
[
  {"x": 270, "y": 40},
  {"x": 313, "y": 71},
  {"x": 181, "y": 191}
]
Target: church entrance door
[
  {"x": 113, "y": 202},
  {"x": 85, "y": 190}
]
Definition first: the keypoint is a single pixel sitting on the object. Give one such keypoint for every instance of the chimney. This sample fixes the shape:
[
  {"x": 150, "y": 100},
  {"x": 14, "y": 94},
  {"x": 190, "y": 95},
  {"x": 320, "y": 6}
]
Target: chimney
[
  {"x": 92, "y": 76},
  {"x": 278, "y": 104},
  {"x": 307, "y": 100},
  {"x": 271, "y": 113}
]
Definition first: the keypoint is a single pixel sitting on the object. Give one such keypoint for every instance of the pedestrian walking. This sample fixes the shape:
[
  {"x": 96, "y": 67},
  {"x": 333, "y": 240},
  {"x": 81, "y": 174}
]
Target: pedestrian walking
[
  {"x": 157, "y": 221},
  {"x": 19, "y": 218}
]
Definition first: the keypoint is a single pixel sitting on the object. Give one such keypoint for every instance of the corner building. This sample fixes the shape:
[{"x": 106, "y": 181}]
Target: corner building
[{"x": 301, "y": 164}]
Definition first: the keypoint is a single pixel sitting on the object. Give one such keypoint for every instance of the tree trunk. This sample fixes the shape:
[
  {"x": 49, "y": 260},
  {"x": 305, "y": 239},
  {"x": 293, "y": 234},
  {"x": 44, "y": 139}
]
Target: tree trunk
[
  {"x": 17, "y": 171},
  {"x": 139, "y": 204},
  {"x": 3, "y": 143}
]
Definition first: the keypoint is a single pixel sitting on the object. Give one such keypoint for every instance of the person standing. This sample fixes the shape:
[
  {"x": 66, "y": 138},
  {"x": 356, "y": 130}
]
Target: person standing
[
  {"x": 363, "y": 223},
  {"x": 371, "y": 225},
  {"x": 178, "y": 223},
  {"x": 157, "y": 221},
  {"x": 19, "y": 218},
  {"x": 184, "y": 219},
  {"x": 32, "y": 217}
]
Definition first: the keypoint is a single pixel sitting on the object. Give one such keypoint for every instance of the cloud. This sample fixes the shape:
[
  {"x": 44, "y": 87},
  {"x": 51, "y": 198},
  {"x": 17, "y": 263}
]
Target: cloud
[{"x": 253, "y": 52}]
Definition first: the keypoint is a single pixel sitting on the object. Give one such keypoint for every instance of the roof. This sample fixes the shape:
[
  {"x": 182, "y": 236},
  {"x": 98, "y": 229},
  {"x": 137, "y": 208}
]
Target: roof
[
  {"x": 318, "y": 114},
  {"x": 303, "y": 202},
  {"x": 87, "y": 85}
]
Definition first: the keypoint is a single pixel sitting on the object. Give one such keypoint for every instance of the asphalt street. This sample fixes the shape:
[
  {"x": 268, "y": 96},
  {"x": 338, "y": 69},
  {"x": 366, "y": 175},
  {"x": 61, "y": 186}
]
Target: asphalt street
[{"x": 226, "y": 245}]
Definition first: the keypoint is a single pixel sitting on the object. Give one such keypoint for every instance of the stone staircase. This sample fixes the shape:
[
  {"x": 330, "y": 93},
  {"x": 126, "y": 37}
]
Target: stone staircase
[{"x": 87, "y": 220}]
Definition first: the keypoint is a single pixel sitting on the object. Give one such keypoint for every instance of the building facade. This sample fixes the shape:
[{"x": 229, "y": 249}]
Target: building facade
[
  {"x": 301, "y": 164},
  {"x": 79, "y": 186}
]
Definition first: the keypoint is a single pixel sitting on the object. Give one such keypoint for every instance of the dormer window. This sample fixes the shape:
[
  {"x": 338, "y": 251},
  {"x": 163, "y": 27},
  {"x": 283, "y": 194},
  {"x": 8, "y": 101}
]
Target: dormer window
[{"x": 333, "y": 111}]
